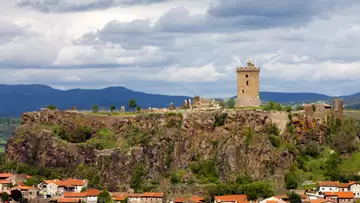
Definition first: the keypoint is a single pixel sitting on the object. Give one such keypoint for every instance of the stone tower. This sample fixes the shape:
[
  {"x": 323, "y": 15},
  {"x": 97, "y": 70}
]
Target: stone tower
[
  {"x": 248, "y": 86},
  {"x": 338, "y": 108}
]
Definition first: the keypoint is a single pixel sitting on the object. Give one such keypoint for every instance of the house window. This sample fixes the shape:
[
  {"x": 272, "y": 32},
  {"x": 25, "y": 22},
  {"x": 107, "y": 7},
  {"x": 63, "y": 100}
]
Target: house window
[
  {"x": 243, "y": 91},
  {"x": 246, "y": 75},
  {"x": 247, "y": 82}
]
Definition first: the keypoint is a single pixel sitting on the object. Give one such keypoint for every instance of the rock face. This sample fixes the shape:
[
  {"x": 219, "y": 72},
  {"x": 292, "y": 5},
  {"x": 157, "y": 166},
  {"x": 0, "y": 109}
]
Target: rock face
[{"x": 168, "y": 142}]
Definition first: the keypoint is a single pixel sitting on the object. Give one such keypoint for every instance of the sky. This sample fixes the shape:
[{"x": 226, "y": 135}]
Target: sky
[{"x": 181, "y": 47}]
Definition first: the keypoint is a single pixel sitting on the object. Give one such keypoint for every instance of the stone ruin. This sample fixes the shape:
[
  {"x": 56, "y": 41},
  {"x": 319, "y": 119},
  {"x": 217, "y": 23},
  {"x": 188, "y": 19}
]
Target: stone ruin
[
  {"x": 172, "y": 106},
  {"x": 205, "y": 103},
  {"x": 122, "y": 109},
  {"x": 322, "y": 111}
]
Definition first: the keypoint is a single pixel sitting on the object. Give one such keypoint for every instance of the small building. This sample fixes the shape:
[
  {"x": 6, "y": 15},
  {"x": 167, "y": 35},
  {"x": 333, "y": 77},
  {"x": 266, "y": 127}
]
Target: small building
[
  {"x": 147, "y": 197},
  {"x": 320, "y": 200},
  {"x": 340, "y": 197},
  {"x": 193, "y": 199},
  {"x": 354, "y": 187},
  {"x": 29, "y": 192},
  {"x": 91, "y": 196},
  {"x": 230, "y": 199},
  {"x": 328, "y": 186},
  {"x": 78, "y": 195},
  {"x": 68, "y": 200},
  {"x": 58, "y": 187},
  {"x": 276, "y": 199}
]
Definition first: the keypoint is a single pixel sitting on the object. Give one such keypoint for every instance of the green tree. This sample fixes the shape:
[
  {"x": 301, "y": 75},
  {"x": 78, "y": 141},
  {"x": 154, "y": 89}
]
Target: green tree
[
  {"x": 112, "y": 108},
  {"x": 257, "y": 190},
  {"x": 230, "y": 103},
  {"x": 137, "y": 177},
  {"x": 299, "y": 107},
  {"x": 138, "y": 108},
  {"x": 132, "y": 103},
  {"x": 4, "y": 196},
  {"x": 294, "y": 197},
  {"x": 292, "y": 180},
  {"x": 95, "y": 108},
  {"x": 51, "y": 107},
  {"x": 104, "y": 197}
]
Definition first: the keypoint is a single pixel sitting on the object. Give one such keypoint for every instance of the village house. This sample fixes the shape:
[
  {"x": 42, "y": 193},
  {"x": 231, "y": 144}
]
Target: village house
[
  {"x": 89, "y": 196},
  {"x": 230, "y": 199},
  {"x": 340, "y": 197},
  {"x": 118, "y": 196},
  {"x": 147, "y": 197},
  {"x": 355, "y": 188},
  {"x": 58, "y": 187},
  {"x": 328, "y": 186},
  {"x": 320, "y": 200},
  {"x": 193, "y": 199},
  {"x": 276, "y": 199},
  {"x": 68, "y": 200},
  {"x": 29, "y": 192}
]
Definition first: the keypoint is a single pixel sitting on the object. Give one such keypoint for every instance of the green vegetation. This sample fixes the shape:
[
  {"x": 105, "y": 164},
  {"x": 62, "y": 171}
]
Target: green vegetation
[
  {"x": 137, "y": 177},
  {"x": 112, "y": 108},
  {"x": 79, "y": 135},
  {"x": 103, "y": 139},
  {"x": 294, "y": 197},
  {"x": 104, "y": 197},
  {"x": 51, "y": 107},
  {"x": 273, "y": 106},
  {"x": 220, "y": 119},
  {"x": 95, "y": 108},
  {"x": 205, "y": 171},
  {"x": 132, "y": 103},
  {"x": 275, "y": 140}
]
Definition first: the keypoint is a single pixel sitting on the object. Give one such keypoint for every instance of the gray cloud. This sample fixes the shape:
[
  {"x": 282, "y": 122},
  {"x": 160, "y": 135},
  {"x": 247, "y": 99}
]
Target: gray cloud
[{"x": 63, "y": 6}]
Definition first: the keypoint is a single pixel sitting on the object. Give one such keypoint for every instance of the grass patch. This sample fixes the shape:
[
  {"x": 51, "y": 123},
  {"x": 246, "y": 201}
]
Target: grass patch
[{"x": 104, "y": 139}]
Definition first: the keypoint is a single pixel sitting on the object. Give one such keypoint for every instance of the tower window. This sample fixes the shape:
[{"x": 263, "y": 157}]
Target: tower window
[
  {"x": 247, "y": 82},
  {"x": 243, "y": 91},
  {"x": 246, "y": 75}
]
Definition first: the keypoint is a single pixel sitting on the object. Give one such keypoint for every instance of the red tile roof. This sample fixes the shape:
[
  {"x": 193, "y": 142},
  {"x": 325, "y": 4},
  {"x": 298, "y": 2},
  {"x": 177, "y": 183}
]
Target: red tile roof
[
  {"x": 328, "y": 183},
  {"x": 193, "y": 199},
  {"x": 318, "y": 201},
  {"x": 92, "y": 192},
  {"x": 340, "y": 195},
  {"x": 75, "y": 194},
  {"x": 6, "y": 175},
  {"x": 231, "y": 198},
  {"x": 68, "y": 200},
  {"x": 22, "y": 187},
  {"x": 67, "y": 182},
  {"x": 5, "y": 181}
]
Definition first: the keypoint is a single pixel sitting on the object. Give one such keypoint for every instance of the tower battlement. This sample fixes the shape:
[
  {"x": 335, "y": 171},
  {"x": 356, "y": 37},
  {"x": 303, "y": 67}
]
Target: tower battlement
[{"x": 248, "y": 69}]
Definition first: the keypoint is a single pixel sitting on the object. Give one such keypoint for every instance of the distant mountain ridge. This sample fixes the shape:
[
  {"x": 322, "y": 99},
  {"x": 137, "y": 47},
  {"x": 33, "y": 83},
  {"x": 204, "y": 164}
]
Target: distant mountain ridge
[{"x": 16, "y": 99}]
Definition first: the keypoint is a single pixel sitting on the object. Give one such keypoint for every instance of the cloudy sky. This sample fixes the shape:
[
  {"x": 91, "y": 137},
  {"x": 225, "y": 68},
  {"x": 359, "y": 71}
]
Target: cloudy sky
[{"x": 181, "y": 47}]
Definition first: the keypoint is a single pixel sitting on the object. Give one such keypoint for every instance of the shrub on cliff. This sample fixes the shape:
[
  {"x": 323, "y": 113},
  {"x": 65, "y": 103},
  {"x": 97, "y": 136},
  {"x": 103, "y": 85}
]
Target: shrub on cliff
[
  {"x": 137, "y": 177},
  {"x": 275, "y": 141},
  {"x": 205, "y": 171},
  {"x": 80, "y": 134},
  {"x": 292, "y": 180},
  {"x": 95, "y": 108},
  {"x": 294, "y": 197},
  {"x": 51, "y": 107}
]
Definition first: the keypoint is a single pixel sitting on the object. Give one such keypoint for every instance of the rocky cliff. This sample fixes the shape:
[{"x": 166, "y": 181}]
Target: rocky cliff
[{"x": 126, "y": 152}]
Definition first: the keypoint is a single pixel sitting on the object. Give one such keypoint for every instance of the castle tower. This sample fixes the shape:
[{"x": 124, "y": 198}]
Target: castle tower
[
  {"x": 248, "y": 86},
  {"x": 338, "y": 108}
]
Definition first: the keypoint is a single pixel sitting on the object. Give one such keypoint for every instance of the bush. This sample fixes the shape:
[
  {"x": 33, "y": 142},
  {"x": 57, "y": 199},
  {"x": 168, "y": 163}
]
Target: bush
[
  {"x": 275, "y": 140},
  {"x": 257, "y": 190},
  {"x": 243, "y": 179},
  {"x": 80, "y": 134},
  {"x": 205, "y": 170},
  {"x": 220, "y": 119},
  {"x": 95, "y": 108},
  {"x": 175, "y": 178},
  {"x": 51, "y": 107},
  {"x": 137, "y": 177},
  {"x": 292, "y": 180},
  {"x": 294, "y": 197},
  {"x": 288, "y": 108}
]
